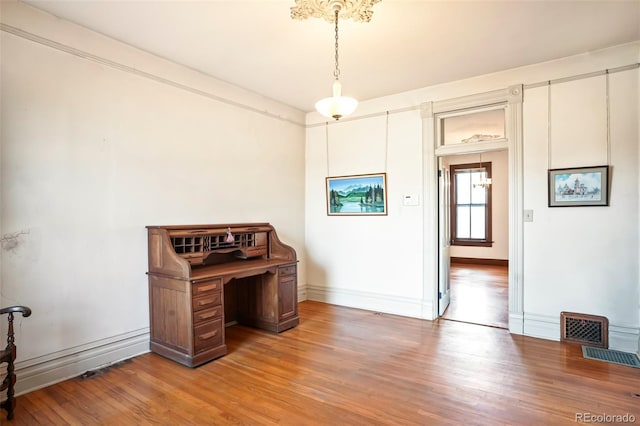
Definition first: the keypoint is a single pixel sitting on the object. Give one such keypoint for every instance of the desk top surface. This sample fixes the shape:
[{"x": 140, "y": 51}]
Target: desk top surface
[{"x": 240, "y": 266}]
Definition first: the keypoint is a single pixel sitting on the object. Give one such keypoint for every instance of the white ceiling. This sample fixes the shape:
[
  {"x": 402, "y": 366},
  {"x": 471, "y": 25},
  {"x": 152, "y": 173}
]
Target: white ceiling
[{"x": 407, "y": 45}]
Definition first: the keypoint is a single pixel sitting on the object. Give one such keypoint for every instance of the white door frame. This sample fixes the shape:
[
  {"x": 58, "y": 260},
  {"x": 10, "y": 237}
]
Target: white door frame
[
  {"x": 511, "y": 100},
  {"x": 444, "y": 238}
]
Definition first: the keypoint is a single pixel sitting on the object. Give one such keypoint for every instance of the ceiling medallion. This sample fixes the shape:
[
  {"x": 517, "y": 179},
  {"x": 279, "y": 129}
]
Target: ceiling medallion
[{"x": 358, "y": 10}]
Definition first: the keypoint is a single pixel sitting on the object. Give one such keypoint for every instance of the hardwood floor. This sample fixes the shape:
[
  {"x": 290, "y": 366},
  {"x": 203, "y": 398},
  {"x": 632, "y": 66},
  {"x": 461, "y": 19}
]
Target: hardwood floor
[
  {"x": 350, "y": 367},
  {"x": 479, "y": 294}
]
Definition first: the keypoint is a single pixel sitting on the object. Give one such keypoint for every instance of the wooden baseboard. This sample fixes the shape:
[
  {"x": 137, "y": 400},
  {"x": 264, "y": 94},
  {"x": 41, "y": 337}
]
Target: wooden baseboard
[
  {"x": 36, "y": 373},
  {"x": 479, "y": 261}
]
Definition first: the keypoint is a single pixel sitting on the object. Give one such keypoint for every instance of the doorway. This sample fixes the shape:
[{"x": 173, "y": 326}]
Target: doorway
[
  {"x": 439, "y": 118},
  {"x": 474, "y": 238}
]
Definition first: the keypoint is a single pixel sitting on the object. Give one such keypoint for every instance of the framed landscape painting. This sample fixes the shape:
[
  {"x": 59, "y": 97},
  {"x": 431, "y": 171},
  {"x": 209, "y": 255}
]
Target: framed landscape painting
[
  {"x": 357, "y": 195},
  {"x": 579, "y": 186}
]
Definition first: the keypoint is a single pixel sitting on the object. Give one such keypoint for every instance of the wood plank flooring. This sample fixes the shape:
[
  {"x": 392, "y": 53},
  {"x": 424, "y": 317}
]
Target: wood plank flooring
[
  {"x": 479, "y": 294},
  {"x": 344, "y": 366}
]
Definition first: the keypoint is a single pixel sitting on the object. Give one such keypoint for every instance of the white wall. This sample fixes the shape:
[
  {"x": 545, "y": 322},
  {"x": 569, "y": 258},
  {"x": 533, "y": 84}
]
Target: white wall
[
  {"x": 92, "y": 151},
  {"x": 499, "y": 206},
  {"x": 352, "y": 255},
  {"x": 594, "y": 272},
  {"x": 590, "y": 253}
]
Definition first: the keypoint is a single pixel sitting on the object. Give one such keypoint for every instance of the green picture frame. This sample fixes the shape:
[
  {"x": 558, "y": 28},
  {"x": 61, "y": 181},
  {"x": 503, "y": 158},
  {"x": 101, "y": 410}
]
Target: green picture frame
[{"x": 357, "y": 195}]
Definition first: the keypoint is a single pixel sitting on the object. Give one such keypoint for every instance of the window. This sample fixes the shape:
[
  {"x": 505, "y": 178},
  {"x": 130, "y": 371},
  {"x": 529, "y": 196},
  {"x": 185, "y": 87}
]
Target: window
[
  {"x": 471, "y": 205},
  {"x": 478, "y": 125}
]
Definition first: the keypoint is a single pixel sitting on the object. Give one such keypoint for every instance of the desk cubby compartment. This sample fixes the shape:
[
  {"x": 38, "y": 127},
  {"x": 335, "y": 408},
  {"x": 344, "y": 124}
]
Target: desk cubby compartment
[
  {"x": 219, "y": 241},
  {"x": 195, "y": 248},
  {"x": 190, "y": 244}
]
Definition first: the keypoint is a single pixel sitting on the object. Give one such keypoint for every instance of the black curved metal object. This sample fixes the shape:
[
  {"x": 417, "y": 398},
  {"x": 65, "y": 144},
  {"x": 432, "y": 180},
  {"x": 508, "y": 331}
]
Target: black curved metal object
[
  {"x": 8, "y": 356},
  {"x": 13, "y": 309}
]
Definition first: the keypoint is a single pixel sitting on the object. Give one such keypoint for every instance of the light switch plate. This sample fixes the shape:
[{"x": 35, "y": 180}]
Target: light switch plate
[{"x": 528, "y": 216}]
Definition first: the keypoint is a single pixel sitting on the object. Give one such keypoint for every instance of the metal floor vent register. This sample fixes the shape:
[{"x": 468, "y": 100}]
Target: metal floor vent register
[
  {"x": 582, "y": 328},
  {"x": 609, "y": 355}
]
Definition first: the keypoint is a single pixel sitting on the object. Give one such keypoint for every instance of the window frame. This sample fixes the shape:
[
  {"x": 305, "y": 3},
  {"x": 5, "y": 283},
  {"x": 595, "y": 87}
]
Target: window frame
[{"x": 473, "y": 242}]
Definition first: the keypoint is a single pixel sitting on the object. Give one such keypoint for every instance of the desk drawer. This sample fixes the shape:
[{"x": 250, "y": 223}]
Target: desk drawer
[
  {"x": 256, "y": 251},
  {"x": 208, "y": 335},
  {"x": 212, "y": 286},
  {"x": 206, "y": 301},
  {"x": 207, "y": 315},
  {"x": 287, "y": 270}
]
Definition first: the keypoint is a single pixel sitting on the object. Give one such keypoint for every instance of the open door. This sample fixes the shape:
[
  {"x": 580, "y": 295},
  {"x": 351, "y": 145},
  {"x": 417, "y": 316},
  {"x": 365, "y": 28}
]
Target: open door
[{"x": 444, "y": 237}]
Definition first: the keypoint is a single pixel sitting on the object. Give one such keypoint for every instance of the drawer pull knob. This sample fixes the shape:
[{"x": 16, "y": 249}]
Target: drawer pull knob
[
  {"x": 208, "y": 335},
  {"x": 207, "y": 288},
  {"x": 208, "y": 315}
]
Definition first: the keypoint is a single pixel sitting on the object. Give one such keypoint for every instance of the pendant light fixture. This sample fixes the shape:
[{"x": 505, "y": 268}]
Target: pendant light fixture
[
  {"x": 484, "y": 182},
  {"x": 336, "y": 106}
]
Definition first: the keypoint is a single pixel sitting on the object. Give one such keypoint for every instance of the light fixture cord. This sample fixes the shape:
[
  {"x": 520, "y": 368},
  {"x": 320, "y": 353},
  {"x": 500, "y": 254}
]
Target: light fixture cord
[
  {"x": 326, "y": 135},
  {"x": 549, "y": 147},
  {"x": 608, "y": 118},
  {"x": 386, "y": 144},
  {"x": 336, "y": 72}
]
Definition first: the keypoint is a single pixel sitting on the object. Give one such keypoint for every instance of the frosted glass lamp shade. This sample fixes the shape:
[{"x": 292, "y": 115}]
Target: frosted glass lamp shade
[{"x": 336, "y": 106}]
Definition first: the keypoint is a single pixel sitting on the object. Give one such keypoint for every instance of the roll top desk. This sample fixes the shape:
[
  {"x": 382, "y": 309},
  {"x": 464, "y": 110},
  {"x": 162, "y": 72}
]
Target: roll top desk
[{"x": 202, "y": 277}]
